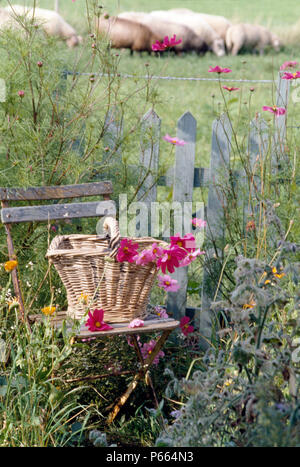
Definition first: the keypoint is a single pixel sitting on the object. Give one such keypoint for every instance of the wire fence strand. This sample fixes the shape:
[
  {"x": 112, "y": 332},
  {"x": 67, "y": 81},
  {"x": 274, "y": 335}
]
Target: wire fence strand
[{"x": 178, "y": 78}]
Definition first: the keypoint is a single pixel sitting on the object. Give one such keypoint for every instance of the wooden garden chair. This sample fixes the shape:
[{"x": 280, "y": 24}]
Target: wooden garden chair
[{"x": 58, "y": 211}]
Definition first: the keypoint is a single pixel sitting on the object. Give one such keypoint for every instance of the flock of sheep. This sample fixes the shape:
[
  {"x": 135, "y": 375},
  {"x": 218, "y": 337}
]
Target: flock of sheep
[
  {"x": 52, "y": 23},
  {"x": 199, "y": 32},
  {"x": 139, "y": 31}
]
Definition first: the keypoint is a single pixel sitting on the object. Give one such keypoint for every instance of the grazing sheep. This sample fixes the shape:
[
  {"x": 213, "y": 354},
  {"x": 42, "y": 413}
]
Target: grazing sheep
[
  {"x": 219, "y": 23},
  {"x": 214, "y": 42},
  {"x": 251, "y": 36},
  {"x": 6, "y": 20},
  {"x": 126, "y": 34},
  {"x": 190, "y": 40},
  {"x": 51, "y": 22}
]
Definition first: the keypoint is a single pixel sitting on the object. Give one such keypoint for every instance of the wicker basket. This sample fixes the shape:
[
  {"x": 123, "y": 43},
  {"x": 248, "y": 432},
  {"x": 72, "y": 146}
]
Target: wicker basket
[{"x": 88, "y": 268}]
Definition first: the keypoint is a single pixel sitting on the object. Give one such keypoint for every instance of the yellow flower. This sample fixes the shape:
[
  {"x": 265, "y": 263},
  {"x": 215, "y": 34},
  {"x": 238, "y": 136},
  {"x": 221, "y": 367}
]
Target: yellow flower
[
  {"x": 249, "y": 305},
  {"x": 49, "y": 310},
  {"x": 274, "y": 271},
  {"x": 228, "y": 382},
  {"x": 84, "y": 298},
  {"x": 13, "y": 302},
  {"x": 10, "y": 265}
]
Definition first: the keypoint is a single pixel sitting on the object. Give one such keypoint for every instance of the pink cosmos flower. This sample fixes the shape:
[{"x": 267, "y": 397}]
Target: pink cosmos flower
[
  {"x": 167, "y": 283},
  {"x": 144, "y": 257},
  {"x": 172, "y": 41},
  {"x": 166, "y": 44},
  {"x": 288, "y": 64},
  {"x": 218, "y": 69},
  {"x": 174, "y": 140},
  {"x": 187, "y": 242},
  {"x": 156, "y": 250},
  {"x": 158, "y": 46},
  {"x": 147, "y": 349},
  {"x": 127, "y": 251},
  {"x": 230, "y": 89},
  {"x": 186, "y": 328},
  {"x": 288, "y": 75},
  {"x": 191, "y": 257},
  {"x": 275, "y": 110},
  {"x": 130, "y": 341},
  {"x": 161, "y": 312},
  {"x": 170, "y": 259},
  {"x": 95, "y": 321},
  {"x": 136, "y": 323},
  {"x": 197, "y": 222}
]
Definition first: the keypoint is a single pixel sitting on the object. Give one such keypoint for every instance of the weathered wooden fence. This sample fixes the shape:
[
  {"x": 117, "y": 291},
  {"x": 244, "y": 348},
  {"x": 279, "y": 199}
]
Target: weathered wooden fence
[{"x": 184, "y": 177}]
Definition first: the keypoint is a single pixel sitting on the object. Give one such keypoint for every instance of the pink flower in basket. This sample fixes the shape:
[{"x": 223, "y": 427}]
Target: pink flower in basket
[
  {"x": 156, "y": 250},
  {"x": 136, "y": 323},
  {"x": 171, "y": 258},
  {"x": 127, "y": 251},
  {"x": 191, "y": 257},
  {"x": 144, "y": 257},
  {"x": 187, "y": 242},
  {"x": 95, "y": 321}
]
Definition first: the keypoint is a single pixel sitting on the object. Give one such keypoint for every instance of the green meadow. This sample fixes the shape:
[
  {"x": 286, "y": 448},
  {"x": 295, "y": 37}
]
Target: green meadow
[{"x": 171, "y": 98}]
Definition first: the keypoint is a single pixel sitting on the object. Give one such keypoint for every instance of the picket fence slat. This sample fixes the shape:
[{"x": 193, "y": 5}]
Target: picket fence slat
[
  {"x": 258, "y": 147},
  {"x": 278, "y": 147},
  {"x": 219, "y": 171},
  {"x": 150, "y": 132},
  {"x": 183, "y": 192}
]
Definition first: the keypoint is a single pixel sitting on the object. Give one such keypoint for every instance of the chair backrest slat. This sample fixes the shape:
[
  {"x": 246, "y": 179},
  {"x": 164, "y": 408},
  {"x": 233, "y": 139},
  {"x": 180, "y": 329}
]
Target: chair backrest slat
[
  {"x": 56, "y": 192},
  {"x": 57, "y": 211}
]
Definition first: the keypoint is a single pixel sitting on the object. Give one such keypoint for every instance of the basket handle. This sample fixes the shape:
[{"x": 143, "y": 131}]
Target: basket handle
[{"x": 111, "y": 225}]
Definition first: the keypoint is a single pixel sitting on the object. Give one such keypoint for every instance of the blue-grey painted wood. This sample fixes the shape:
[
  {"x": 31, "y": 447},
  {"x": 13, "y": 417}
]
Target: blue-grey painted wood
[
  {"x": 112, "y": 144},
  {"x": 219, "y": 171},
  {"x": 150, "y": 136},
  {"x": 57, "y": 211},
  {"x": 183, "y": 192},
  {"x": 258, "y": 149},
  {"x": 148, "y": 173},
  {"x": 279, "y": 156}
]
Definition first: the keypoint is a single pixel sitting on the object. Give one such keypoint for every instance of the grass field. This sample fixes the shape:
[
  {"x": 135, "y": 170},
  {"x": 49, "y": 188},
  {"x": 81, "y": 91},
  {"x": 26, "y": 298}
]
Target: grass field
[{"x": 202, "y": 99}]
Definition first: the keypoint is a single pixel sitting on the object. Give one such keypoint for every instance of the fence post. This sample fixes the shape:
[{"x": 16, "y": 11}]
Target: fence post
[
  {"x": 279, "y": 141},
  {"x": 150, "y": 134},
  {"x": 183, "y": 192},
  {"x": 112, "y": 138},
  {"x": 219, "y": 165},
  {"x": 258, "y": 146},
  {"x": 149, "y": 144}
]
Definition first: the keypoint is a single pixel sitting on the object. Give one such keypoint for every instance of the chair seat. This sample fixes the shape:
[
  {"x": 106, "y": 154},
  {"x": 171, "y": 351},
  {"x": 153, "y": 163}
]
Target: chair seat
[{"x": 150, "y": 325}]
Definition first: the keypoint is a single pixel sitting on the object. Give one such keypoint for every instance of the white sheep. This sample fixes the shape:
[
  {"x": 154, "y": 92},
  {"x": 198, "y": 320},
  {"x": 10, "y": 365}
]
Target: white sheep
[
  {"x": 162, "y": 28},
  {"x": 51, "y": 22},
  {"x": 214, "y": 42},
  {"x": 251, "y": 36},
  {"x": 219, "y": 23}
]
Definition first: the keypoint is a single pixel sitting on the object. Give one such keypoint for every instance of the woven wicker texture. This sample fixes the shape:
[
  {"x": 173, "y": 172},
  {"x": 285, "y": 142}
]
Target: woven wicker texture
[{"x": 90, "y": 272}]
